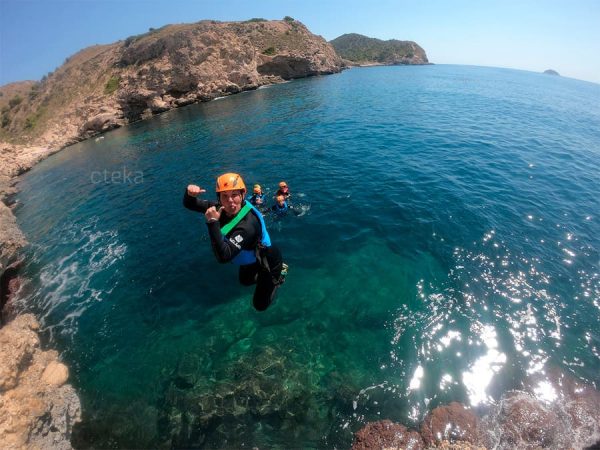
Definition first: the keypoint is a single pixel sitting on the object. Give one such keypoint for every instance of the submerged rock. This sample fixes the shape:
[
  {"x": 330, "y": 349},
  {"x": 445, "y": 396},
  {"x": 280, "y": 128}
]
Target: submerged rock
[
  {"x": 386, "y": 434},
  {"x": 265, "y": 386},
  {"x": 521, "y": 421},
  {"x": 37, "y": 408},
  {"x": 565, "y": 413},
  {"x": 452, "y": 422}
]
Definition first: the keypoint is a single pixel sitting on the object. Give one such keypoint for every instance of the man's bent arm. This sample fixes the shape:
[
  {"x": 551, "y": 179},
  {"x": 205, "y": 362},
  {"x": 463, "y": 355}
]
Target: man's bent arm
[{"x": 196, "y": 204}]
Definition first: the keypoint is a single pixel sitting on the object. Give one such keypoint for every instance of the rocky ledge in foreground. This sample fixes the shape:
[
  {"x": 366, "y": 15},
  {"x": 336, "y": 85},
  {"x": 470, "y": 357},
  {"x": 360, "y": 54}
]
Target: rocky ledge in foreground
[
  {"x": 518, "y": 421},
  {"x": 37, "y": 409}
]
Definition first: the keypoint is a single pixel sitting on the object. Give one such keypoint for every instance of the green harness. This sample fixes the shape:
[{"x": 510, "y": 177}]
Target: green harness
[{"x": 238, "y": 217}]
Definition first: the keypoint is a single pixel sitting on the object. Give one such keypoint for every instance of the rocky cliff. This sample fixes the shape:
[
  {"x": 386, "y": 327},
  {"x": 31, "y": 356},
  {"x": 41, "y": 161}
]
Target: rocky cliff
[
  {"x": 106, "y": 86},
  {"x": 363, "y": 50}
]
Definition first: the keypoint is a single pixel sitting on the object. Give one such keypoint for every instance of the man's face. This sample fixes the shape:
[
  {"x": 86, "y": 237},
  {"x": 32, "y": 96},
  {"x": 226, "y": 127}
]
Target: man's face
[{"x": 231, "y": 201}]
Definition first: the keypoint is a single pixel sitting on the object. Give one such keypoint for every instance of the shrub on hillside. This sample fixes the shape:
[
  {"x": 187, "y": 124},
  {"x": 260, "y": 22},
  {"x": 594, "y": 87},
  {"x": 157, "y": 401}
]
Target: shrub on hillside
[
  {"x": 16, "y": 100},
  {"x": 111, "y": 85},
  {"x": 30, "y": 122}
]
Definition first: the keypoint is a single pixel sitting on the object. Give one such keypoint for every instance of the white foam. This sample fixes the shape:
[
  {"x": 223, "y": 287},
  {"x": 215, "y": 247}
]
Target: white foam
[{"x": 68, "y": 282}]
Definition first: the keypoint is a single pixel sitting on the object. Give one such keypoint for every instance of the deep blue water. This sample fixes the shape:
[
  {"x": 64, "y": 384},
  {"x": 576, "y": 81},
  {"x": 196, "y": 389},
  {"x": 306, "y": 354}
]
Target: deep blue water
[{"x": 448, "y": 250}]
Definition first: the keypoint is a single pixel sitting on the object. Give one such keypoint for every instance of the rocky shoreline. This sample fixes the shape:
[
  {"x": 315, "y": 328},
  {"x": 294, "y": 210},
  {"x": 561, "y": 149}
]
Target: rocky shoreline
[
  {"x": 37, "y": 407},
  {"x": 519, "y": 420}
]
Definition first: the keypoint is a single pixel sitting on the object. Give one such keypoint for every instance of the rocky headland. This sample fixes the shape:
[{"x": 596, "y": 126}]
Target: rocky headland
[
  {"x": 359, "y": 50},
  {"x": 107, "y": 86}
]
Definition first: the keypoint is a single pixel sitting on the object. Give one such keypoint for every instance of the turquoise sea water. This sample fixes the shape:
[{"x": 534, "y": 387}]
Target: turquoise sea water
[{"x": 448, "y": 250}]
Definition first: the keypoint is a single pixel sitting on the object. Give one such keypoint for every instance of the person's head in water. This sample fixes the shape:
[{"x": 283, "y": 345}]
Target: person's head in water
[
  {"x": 280, "y": 201},
  {"x": 257, "y": 189},
  {"x": 283, "y": 187},
  {"x": 230, "y": 192}
]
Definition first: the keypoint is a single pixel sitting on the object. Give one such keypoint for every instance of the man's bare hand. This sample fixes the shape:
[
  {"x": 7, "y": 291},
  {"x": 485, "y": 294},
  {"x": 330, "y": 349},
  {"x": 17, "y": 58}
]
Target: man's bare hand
[
  {"x": 213, "y": 214},
  {"x": 194, "y": 190}
]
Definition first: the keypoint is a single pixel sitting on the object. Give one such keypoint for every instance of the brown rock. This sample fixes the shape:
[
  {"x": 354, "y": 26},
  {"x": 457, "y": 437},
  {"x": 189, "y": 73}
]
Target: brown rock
[
  {"x": 56, "y": 374},
  {"x": 581, "y": 403},
  {"x": 521, "y": 421},
  {"x": 458, "y": 445},
  {"x": 33, "y": 413},
  {"x": 10, "y": 282},
  {"x": 18, "y": 343},
  {"x": 386, "y": 434},
  {"x": 11, "y": 237},
  {"x": 452, "y": 422},
  {"x": 101, "y": 122}
]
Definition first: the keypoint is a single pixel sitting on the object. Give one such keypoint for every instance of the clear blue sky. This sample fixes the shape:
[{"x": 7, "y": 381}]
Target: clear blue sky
[{"x": 37, "y": 35}]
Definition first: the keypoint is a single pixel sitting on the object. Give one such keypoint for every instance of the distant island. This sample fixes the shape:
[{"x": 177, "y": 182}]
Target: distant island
[
  {"x": 551, "y": 72},
  {"x": 362, "y": 50}
]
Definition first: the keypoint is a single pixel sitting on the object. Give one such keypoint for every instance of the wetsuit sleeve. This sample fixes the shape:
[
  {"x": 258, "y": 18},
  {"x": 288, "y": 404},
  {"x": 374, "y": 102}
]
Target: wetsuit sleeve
[
  {"x": 196, "y": 204},
  {"x": 243, "y": 237}
]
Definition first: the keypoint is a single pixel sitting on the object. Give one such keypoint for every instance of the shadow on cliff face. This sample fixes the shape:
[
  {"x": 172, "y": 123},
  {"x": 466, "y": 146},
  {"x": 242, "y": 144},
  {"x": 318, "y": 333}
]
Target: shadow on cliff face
[{"x": 287, "y": 68}]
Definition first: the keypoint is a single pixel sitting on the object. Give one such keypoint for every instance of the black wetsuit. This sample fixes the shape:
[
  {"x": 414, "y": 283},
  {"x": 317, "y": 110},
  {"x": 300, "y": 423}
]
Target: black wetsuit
[{"x": 246, "y": 235}]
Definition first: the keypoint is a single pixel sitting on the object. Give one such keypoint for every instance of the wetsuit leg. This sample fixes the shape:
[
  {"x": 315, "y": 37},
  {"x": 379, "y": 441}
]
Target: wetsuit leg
[
  {"x": 248, "y": 274},
  {"x": 268, "y": 281}
]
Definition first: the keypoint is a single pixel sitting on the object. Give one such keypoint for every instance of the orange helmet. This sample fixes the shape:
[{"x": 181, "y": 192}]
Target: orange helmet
[
  {"x": 257, "y": 189},
  {"x": 283, "y": 184},
  {"x": 230, "y": 182}
]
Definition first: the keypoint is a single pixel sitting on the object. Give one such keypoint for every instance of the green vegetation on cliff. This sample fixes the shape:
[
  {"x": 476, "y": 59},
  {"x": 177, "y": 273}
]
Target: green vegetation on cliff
[{"x": 362, "y": 49}]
